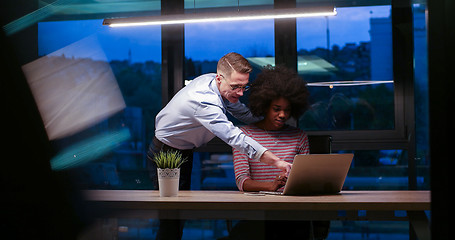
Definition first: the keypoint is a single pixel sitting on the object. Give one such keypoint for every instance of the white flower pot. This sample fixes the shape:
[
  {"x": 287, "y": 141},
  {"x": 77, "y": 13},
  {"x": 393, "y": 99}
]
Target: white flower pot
[{"x": 168, "y": 182}]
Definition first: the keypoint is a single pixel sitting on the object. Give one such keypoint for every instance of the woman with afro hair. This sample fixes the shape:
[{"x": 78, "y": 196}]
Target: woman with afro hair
[{"x": 277, "y": 94}]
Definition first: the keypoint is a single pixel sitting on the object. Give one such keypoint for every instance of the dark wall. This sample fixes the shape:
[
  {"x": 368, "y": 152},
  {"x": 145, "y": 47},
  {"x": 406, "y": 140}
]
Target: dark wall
[
  {"x": 36, "y": 203},
  {"x": 441, "y": 52},
  {"x": 22, "y": 41}
]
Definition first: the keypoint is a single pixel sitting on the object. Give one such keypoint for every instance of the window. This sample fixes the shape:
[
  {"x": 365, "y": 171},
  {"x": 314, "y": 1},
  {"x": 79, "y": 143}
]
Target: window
[
  {"x": 380, "y": 170},
  {"x": 357, "y": 91},
  {"x": 347, "y": 61},
  {"x": 206, "y": 43}
]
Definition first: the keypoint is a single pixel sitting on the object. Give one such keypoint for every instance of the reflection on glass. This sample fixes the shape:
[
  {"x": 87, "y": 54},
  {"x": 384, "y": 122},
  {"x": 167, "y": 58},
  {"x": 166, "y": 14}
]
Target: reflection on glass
[
  {"x": 110, "y": 152},
  {"x": 73, "y": 90},
  {"x": 347, "y": 61}
]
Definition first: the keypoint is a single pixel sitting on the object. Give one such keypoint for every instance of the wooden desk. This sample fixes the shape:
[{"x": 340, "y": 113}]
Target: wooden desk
[{"x": 349, "y": 205}]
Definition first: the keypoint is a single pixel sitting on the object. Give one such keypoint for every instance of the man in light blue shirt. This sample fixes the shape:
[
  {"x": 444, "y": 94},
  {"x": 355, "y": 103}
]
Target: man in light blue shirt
[{"x": 197, "y": 113}]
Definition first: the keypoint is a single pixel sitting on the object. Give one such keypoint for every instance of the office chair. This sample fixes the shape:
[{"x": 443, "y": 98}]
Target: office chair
[{"x": 320, "y": 144}]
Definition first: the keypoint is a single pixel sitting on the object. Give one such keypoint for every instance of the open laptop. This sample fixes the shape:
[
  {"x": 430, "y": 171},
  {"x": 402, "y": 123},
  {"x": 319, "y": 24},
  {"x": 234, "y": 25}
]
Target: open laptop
[{"x": 317, "y": 174}]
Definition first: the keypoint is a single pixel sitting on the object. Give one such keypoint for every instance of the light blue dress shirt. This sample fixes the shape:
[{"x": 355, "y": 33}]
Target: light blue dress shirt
[{"x": 197, "y": 113}]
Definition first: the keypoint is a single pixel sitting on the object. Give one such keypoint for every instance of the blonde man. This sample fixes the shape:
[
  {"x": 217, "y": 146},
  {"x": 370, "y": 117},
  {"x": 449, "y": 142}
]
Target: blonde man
[{"x": 197, "y": 113}]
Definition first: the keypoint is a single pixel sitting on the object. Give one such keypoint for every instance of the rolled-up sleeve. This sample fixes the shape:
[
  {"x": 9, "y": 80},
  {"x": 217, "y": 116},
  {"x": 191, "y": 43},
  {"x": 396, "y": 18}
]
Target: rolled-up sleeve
[
  {"x": 213, "y": 118},
  {"x": 241, "y": 168}
]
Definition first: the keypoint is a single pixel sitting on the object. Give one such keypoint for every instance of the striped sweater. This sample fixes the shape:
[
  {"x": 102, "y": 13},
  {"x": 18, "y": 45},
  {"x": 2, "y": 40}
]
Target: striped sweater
[{"x": 285, "y": 144}]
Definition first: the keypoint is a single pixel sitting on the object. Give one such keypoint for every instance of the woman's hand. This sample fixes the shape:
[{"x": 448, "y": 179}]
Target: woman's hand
[
  {"x": 251, "y": 185},
  {"x": 279, "y": 182}
]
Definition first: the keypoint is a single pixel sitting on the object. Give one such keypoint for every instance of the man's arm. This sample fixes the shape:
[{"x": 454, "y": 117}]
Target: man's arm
[
  {"x": 270, "y": 159},
  {"x": 213, "y": 118},
  {"x": 241, "y": 112}
]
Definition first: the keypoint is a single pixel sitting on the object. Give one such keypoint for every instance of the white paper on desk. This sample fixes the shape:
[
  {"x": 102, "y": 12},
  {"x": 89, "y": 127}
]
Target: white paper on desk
[{"x": 74, "y": 88}]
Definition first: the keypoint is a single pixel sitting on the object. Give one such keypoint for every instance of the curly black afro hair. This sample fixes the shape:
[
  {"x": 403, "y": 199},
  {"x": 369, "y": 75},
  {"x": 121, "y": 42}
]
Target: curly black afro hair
[{"x": 275, "y": 82}]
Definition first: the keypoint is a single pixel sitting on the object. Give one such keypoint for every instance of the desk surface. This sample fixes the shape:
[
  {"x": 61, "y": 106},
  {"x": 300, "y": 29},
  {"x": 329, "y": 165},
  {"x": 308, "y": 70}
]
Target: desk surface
[{"x": 235, "y": 200}]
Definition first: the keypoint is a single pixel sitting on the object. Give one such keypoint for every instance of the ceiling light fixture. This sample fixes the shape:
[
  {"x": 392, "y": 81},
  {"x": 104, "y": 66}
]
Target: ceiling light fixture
[{"x": 239, "y": 15}]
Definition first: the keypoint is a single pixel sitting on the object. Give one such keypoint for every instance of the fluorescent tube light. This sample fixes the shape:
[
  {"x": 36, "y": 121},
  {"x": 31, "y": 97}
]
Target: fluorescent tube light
[
  {"x": 347, "y": 83},
  {"x": 221, "y": 16}
]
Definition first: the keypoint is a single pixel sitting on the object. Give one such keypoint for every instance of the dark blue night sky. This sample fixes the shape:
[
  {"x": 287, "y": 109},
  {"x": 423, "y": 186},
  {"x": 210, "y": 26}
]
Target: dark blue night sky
[{"x": 210, "y": 41}]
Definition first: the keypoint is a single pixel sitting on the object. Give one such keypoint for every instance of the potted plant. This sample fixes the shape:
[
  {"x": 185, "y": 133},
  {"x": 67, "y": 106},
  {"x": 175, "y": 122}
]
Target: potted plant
[{"x": 168, "y": 168}]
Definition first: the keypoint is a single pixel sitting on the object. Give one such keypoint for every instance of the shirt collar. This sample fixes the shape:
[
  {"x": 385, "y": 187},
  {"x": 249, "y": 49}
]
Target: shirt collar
[{"x": 214, "y": 88}]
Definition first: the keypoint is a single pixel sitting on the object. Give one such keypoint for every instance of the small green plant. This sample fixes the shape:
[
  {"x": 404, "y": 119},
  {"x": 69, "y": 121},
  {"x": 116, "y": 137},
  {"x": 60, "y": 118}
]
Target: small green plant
[{"x": 169, "y": 159}]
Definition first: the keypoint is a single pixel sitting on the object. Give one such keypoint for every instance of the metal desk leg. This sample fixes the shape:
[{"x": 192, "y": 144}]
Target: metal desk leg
[{"x": 420, "y": 224}]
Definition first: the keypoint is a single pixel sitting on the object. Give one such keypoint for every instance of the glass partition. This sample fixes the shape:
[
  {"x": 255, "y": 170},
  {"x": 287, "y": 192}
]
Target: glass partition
[{"x": 103, "y": 150}]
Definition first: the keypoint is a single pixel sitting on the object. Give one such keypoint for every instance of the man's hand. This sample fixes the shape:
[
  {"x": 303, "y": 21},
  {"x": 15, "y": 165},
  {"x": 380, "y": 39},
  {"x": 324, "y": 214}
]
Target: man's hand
[
  {"x": 270, "y": 159},
  {"x": 285, "y": 166}
]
